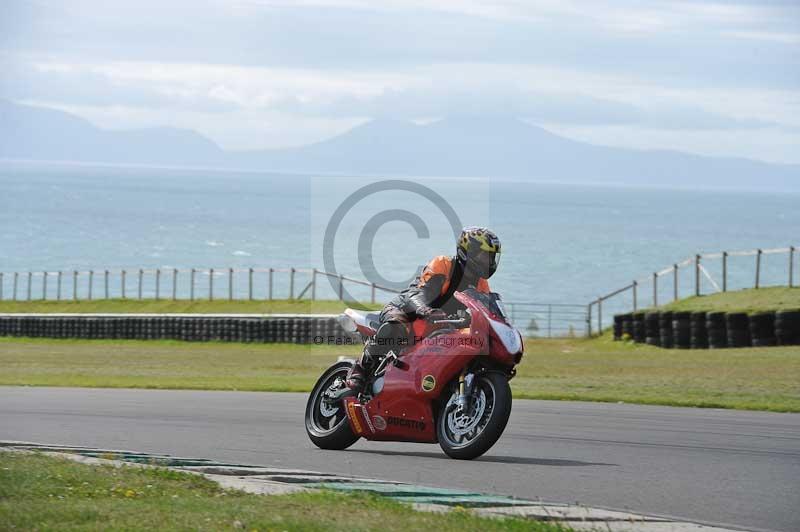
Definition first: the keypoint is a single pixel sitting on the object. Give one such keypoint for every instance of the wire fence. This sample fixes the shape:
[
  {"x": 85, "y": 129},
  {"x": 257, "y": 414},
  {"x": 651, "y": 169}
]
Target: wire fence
[
  {"x": 549, "y": 320},
  {"x": 192, "y": 284},
  {"x": 700, "y": 274}
]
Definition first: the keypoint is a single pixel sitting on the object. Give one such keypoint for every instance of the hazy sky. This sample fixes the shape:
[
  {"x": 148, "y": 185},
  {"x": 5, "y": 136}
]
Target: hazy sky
[{"x": 708, "y": 77}]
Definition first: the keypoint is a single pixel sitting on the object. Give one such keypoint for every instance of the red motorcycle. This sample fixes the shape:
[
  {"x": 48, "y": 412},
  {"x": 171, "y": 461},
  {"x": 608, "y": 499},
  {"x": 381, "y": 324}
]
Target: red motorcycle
[{"x": 449, "y": 386}]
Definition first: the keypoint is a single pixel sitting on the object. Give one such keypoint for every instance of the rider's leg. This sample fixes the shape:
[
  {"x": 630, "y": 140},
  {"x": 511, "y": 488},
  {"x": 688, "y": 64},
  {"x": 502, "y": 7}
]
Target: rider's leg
[{"x": 392, "y": 335}]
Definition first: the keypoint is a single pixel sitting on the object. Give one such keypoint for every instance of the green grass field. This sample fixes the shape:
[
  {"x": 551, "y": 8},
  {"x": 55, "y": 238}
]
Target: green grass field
[
  {"x": 46, "y": 493},
  {"x": 162, "y": 306},
  {"x": 751, "y": 300},
  {"x": 576, "y": 369}
]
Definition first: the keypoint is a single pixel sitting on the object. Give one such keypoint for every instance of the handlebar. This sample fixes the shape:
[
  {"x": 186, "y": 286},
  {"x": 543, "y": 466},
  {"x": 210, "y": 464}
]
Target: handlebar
[{"x": 458, "y": 323}]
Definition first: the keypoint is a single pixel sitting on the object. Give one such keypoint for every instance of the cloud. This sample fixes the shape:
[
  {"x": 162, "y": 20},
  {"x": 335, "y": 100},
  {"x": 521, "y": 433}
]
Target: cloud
[{"x": 284, "y": 72}]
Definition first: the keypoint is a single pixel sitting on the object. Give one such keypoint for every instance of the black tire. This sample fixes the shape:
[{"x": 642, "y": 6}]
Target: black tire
[
  {"x": 492, "y": 383},
  {"x": 337, "y": 435}
]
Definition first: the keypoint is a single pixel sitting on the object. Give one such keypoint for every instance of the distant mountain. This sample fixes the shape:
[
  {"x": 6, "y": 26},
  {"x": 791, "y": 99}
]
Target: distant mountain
[
  {"x": 459, "y": 146},
  {"x": 47, "y": 134}
]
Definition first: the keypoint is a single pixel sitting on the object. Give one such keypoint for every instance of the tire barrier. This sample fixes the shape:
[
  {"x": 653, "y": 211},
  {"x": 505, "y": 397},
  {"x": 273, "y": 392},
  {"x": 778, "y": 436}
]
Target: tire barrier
[
  {"x": 298, "y": 329},
  {"x": 738, "y": 327},
  {"x": 699, "y": 332},
  {"x": 715, "y": 330},
  {"x": 618, "y": 327},
  {"x": 787, "y": 327},
  {"x": 639, "y": 333},
  {"x": 665, "y": 329},
  {"x": 627, "y": 325},
  {"x": 762, "y": 329},
  {"x": 681, "y": 330},
  {"x": 652, "y": 334}
]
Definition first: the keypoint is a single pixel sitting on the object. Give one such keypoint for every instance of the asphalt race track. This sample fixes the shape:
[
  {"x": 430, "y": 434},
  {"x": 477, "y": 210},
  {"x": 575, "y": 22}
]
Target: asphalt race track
[{"x": 740, "y": 469}]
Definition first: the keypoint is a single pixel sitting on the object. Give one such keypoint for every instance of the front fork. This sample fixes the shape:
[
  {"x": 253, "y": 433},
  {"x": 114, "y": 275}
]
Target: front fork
[{"x": 466, "y": 383}]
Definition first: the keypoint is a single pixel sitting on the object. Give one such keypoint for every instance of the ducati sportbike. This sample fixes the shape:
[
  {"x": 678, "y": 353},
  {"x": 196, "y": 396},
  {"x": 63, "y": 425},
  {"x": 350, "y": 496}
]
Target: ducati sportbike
[{"x": 449, "y": 386}]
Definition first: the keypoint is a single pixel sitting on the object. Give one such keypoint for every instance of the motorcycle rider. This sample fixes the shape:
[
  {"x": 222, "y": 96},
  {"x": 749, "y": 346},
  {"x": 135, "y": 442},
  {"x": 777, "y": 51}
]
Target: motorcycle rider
[{"x": 430, "y": 296}]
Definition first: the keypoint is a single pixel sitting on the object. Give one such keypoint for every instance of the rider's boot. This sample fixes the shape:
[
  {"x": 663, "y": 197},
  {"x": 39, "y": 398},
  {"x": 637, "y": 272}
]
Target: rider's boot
[
  {"x": 355, "y": 377},
  {"x": 357, "y": 374}
]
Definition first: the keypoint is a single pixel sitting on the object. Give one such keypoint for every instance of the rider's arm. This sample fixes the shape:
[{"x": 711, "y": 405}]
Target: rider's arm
[{"x": 420, "y": 295}]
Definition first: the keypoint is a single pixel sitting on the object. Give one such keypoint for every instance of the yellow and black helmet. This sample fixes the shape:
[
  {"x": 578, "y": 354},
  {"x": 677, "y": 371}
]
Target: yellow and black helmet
[{"x": 478, "y": 251}]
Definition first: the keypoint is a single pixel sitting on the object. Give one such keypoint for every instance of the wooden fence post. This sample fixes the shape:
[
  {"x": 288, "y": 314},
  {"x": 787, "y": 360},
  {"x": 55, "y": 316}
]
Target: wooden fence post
[
  {"x": 697, "y": 275},
  {"x": 675, "y": 282},
  {"x": 758, "y": 267},
  {"x": 655, "y": 289},
  {"x": 589, "y": 320},
  {"x": 599, "y": 315},
  {"x": 724, "y": 271}
]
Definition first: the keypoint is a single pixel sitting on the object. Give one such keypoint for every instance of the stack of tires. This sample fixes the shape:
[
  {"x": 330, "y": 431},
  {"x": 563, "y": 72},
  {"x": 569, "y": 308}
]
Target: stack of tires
[
  {"x": 787, "y": 327},
  {"x": 297, "y": 329},
  {"x": 738, "y": 326},
  {"x": 627, "y": 325},
  {"x": 699, "y": 330},
  {"x": 762, "y": 329},
  {"x": 638, "y": 327},
  {"x": 715, "y": 330},
  {"x": 652, "y": 332},
  {"x": 681, "y": 330},
  {"x": 665, "y": 329}
]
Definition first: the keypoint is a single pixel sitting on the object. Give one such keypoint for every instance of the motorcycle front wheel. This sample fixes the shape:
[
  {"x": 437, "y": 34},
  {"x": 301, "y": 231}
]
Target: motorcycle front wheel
[
  {"x": 468, "y": 434},
  {"x": 326, "y": 423}
]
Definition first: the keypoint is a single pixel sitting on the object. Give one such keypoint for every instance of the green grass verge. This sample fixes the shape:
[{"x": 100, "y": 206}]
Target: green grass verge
[
  {"x": 574, "y": 369},
  {"x": 751, "y": 300},
  {"x": 151, "y": 306},
  {"x": 45, "y": 493}
]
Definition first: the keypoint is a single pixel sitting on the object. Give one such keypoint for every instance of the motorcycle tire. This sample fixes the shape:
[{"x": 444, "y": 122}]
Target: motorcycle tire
[
  {"x": 492, "y": 383},
  {"x": 337, "y": 435}
]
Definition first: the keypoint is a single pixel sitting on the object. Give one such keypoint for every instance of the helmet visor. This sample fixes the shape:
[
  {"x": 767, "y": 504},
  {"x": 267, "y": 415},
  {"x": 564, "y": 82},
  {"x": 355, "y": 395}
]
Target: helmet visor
[{"x": 485, "y": 262}]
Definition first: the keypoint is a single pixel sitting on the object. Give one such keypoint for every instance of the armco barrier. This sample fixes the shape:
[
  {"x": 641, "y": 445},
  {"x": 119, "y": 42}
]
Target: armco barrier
[
  {"x": 715, "y": 330},
  {"x": 266, "y": 328}
]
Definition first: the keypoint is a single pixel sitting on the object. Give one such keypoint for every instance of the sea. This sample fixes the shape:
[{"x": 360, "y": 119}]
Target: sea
[{"x": 562, "y": 243}]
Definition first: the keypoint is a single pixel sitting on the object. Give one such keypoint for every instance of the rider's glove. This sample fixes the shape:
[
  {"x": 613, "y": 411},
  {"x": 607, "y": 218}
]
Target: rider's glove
[{"x": 431, "y": 314}]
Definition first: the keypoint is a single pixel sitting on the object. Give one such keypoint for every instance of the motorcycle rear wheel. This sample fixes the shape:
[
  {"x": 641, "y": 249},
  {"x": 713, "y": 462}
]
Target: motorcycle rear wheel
[
  {"x": 465, "y": 436},
  {"x": 327, "y": 425}
]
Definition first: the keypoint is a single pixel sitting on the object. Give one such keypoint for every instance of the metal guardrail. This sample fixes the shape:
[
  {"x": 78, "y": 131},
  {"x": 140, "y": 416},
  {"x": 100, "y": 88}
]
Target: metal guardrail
[
  {"x": 700, "y": 270},
  {"x": 548, "y": 320},
  {"x": 175, "y": 283}
]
